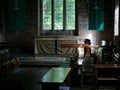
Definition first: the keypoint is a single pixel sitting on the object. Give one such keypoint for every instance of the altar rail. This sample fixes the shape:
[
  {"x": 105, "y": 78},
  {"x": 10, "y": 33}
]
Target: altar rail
[{"x": 53, "y": 45}]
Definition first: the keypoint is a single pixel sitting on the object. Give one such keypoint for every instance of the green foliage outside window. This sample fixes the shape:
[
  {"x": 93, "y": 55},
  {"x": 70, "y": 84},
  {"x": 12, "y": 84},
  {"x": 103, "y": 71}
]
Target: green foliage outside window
[{"x": 58, "y": 15}]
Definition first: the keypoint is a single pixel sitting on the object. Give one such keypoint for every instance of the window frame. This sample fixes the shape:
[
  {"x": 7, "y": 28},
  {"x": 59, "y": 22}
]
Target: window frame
[{"x": 53, "y": 31}]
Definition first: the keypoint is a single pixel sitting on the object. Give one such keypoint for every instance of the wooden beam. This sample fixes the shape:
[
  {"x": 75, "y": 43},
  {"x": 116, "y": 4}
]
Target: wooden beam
[{"x": 79, "y": 45}]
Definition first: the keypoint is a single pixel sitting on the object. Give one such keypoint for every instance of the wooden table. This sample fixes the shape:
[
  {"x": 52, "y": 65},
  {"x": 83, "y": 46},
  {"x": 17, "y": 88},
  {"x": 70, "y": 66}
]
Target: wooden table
[{"x": 54, "y": 78}]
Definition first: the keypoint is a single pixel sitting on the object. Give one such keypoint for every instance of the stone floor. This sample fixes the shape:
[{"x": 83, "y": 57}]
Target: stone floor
[{"x": 25, "y": 78}]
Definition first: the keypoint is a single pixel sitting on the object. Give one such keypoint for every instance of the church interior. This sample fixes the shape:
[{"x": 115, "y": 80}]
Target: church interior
[{"x": 59, "y": 45}]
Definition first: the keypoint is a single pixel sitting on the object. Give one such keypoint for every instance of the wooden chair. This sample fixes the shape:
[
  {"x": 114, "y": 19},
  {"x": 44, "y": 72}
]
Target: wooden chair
[
  {"x": 107, "y": 55},
  {"x": 4, "y": 62},
  {"x": 88, "y": 71},
  {"x": 7, "y": 63}
]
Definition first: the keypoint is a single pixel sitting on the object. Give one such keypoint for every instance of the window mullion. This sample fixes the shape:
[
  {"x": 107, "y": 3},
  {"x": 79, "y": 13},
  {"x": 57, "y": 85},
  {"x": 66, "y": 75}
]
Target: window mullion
[
  {"x": 41, "y": 13},
  {"x": 52, "y": 16},
  {"x": 64, "y": 15}
]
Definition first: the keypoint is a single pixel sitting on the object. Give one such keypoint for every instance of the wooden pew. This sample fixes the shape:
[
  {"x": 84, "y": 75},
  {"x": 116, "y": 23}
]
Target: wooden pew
[{"x": 107, "y": 73}]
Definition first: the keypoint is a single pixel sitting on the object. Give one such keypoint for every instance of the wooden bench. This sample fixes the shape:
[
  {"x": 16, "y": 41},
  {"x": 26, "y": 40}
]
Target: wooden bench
[{"x": 106, "y": 74}]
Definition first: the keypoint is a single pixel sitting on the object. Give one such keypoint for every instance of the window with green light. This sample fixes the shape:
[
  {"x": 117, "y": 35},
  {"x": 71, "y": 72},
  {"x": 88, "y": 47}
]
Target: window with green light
[{"x": 58, "y": 15}]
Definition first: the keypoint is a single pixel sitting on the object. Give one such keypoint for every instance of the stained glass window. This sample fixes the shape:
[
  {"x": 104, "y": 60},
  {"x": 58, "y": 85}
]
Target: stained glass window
[
  {"x": 70, "y": 14},
  {"x": 47, "y": 14},
  {"x": 58, "y": 14}
]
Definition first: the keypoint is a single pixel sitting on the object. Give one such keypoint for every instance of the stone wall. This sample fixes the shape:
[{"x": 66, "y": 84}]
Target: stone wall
[{"x": 30, "y": 32}]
